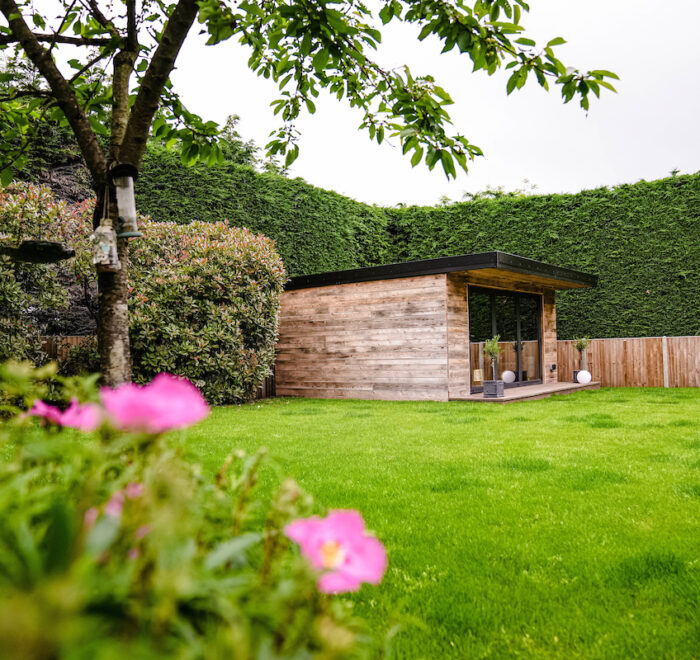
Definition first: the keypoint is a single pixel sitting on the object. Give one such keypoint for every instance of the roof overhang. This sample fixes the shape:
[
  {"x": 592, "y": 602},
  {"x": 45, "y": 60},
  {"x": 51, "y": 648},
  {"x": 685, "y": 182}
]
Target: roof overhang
[{"x": 497, "y": 263}]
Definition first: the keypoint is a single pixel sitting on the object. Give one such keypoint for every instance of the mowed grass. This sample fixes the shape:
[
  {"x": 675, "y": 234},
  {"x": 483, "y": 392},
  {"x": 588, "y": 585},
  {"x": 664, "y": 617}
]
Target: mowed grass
[{"x": 567, "y": 527}]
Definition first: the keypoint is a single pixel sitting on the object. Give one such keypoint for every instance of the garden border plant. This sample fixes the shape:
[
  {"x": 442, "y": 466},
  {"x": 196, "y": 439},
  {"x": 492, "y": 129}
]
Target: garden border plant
[{"x": 114, "y": 545}]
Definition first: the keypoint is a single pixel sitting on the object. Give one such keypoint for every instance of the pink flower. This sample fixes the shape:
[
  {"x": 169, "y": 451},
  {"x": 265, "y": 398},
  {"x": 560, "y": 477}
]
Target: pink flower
[
  {"x": 49, "y": 413},
  {"x": 133, "y": 553},
  {"x": 115, "y": 505},
  {"x": 142, "y": 531},
  {"x": 90, "y": 517},
  {"x": 133, "y": 490},
  {"x": 166, "y": 403},
  {"x": 338, "y": 545},
  {"x": 84, "y": 417}
]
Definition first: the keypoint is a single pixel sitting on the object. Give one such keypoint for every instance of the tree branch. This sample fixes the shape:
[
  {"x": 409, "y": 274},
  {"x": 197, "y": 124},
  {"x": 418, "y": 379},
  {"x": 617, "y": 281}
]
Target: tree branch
[
  {"x": 63, "y": 22},
  {"x": 62, "y": 91},
  {"x": 148, "y": 96},
  {"x": 96, "y": 12},
  {"x": 123, "y": 68},
  {"x": 56, "y": 38},
  {"x": 37, "y": 93}
]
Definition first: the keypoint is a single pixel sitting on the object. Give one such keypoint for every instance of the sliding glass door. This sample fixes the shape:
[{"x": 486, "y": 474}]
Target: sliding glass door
[{"x": 516, "y": 318}]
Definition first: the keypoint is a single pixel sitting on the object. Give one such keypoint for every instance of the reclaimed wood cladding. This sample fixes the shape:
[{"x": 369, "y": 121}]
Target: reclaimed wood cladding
[
  {"x": 457, "y": 313},
  {"x": 549, "y": 337},
  {"x": 384, "y": 339}
]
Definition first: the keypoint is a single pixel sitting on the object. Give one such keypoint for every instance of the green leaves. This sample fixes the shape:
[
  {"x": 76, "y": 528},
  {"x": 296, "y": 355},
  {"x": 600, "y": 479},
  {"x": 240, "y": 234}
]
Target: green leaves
[{"x": 231, "y": 552}]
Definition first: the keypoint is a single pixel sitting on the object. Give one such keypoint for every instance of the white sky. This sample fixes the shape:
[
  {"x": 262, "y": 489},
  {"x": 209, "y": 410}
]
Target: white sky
[{"x": 649, "y": 128}]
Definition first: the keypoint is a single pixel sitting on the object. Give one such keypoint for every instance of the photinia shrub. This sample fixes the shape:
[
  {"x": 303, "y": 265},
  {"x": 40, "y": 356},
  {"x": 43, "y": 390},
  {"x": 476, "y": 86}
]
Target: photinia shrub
[
  {"x": 34, "y": 296},
  {"x": 204, "y": 296},
  {"x": 204, "y": 305},
  {"x": 115, "y": 546}
]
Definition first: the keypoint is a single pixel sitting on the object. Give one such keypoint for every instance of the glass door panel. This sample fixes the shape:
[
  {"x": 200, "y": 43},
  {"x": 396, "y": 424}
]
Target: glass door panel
[
  {"x": 480, "y": 329},
  {"x": 516, "y": 318},
  {"x": 506, "y": 328},
  {"x": 529, "y": 317}
]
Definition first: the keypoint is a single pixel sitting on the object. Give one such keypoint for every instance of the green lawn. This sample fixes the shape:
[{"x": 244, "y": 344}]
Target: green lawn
[{"x": 567, "y": 527}]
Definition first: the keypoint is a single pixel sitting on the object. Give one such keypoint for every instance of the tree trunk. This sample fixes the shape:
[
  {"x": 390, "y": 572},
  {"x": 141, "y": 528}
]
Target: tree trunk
[
  {"x": 113, "y": 310},
  {"x": 584, "y": 361}
]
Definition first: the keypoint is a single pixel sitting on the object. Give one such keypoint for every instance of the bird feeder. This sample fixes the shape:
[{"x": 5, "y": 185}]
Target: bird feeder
[
  {"x": 38, "y": 252},
  {"x": 104, "y": 247},
  {"x": 123, "y": 178}
]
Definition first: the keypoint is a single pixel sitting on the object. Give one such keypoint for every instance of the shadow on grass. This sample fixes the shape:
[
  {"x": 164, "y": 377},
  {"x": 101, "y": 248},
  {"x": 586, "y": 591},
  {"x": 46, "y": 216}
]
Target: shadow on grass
[
  {"x": 525, "y": 464},
  {"x": 642, "y": 568},
  {"x": 588, "y": 479}
]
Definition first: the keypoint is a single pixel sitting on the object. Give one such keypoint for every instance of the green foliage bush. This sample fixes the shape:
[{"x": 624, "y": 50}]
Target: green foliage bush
[
  {"x": 33, "y": 295},
  {"x": 204, "y": 305},
  {"x": 315, "y": 230},
  {"x": 642, "y": 240},
  {"x": 188, "y": 566}
]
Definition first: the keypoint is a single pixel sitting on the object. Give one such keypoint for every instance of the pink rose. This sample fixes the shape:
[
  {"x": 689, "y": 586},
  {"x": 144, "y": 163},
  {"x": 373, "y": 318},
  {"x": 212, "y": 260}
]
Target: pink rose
[
  {"x": 133, "y": 490},
  {"x": 166, "y": 403},
  {"x": 115, "y": 505},
  {"x": 90, "y": 517},
  {"x": 339, "y": 546},
  {"x": 84, "y": 417}
]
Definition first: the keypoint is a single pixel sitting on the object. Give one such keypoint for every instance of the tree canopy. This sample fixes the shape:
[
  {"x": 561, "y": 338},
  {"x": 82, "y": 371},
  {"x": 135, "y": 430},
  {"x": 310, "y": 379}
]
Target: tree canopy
[{"x": 114, "y": 81}]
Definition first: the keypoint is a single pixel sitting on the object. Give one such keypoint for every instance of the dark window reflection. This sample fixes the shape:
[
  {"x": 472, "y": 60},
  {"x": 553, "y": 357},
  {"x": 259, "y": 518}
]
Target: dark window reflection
[{"x": 516, "y": 318}]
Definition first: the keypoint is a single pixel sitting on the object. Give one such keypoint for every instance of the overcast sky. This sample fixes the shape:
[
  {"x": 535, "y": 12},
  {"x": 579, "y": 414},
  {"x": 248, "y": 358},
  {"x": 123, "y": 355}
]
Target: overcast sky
[{"x": 646, "y": 130}]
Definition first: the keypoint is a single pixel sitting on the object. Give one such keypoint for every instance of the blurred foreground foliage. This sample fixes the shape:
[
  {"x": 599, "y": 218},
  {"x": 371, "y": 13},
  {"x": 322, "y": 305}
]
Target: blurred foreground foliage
[{"x": 191, "y": 567}]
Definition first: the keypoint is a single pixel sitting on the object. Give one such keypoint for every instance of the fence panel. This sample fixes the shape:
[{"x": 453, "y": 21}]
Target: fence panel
[
  {"x": 636, "y": 361},
  {"x": 629, "y": 362},
  {"x": 684, "y": 361}
]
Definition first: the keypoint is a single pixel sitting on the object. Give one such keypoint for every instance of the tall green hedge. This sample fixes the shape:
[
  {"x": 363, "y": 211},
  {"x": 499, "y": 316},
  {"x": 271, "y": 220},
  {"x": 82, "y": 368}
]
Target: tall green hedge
[
  {"x": 642, "y": 240},
  {"x": 315, "y": 230}
]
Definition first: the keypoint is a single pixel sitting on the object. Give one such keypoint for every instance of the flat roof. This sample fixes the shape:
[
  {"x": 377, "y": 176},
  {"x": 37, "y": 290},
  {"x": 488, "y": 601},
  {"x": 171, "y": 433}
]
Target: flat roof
[{"x": 536, "y": 272}]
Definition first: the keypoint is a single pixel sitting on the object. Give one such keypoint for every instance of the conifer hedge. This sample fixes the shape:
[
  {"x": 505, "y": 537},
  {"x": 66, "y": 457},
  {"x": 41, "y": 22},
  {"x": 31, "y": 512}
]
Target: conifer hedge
[
  {"x": 642, "y": 240},
  {"x": 316, "y": 230}
]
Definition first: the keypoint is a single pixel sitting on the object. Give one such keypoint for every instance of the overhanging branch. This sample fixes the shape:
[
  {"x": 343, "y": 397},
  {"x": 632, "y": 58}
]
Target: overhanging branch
[
  {"x": 60, "y": 88},
  {"x": 57, "y": 39},
  {"x": 153, "y": 83}
]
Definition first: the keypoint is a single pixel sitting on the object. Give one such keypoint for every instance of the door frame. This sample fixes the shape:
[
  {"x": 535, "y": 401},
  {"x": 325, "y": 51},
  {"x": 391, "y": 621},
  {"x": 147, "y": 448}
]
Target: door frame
[{"x": 517, "y": 295}]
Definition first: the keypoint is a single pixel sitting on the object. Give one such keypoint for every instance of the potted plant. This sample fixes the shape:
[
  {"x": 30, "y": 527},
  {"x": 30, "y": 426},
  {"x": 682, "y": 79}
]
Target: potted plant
[
  {"x": 493, "y": 388},
  {"x": 581, "y": 345}
]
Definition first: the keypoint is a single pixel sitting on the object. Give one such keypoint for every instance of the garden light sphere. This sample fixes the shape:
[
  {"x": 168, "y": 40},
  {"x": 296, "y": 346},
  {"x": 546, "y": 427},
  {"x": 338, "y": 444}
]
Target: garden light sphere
[
  {"x": 584, "y": 377},
  {"x": 508, "y": 376}
]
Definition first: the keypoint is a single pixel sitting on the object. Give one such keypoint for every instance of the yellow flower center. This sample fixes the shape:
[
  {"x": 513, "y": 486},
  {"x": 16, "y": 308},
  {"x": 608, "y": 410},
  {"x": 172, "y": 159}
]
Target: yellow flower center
[{"x": 332, "y": 554}]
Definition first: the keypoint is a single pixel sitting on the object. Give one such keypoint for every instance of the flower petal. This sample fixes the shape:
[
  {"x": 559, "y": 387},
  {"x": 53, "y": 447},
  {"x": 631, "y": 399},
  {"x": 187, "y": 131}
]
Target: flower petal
[{"x": 337, "y": 583}]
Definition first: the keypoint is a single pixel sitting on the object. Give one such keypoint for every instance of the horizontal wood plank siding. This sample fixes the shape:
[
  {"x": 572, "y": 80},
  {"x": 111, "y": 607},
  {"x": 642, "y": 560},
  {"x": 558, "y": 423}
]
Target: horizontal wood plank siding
[
  {"x": 549, "y": 337},
  {"x": 457, "y": 313},
  {"x": 366, "y": 340}
]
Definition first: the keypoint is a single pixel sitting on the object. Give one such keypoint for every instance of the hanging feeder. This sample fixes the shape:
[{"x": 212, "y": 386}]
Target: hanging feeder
[
  {"x": 38, "y": 252},
  {"x": 123, "y": 177},
  {"x": 104, "y": 247}
]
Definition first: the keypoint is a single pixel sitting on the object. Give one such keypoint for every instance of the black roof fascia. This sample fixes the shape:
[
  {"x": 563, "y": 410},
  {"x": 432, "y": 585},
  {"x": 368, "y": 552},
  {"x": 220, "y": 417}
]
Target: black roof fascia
[{"x": 463, "y": 262}]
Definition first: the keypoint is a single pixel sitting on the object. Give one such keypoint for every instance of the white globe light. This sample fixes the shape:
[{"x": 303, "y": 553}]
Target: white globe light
[
  {"x": 508, "y": 376},
  {"x": 584, "y": 377}
]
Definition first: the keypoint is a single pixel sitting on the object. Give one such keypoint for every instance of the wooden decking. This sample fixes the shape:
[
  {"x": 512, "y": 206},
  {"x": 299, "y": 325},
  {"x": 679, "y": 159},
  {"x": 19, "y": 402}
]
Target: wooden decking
[{"x": 529, "y": 392}]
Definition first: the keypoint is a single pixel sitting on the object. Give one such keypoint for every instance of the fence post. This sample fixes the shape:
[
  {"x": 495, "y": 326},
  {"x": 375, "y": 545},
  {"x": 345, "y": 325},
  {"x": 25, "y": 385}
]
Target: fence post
[{"x": 664, "y": 354}]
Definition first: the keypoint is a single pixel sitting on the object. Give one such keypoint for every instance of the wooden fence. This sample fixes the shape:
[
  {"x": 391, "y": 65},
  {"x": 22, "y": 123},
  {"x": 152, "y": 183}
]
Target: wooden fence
[
  {"x": 59, "y": 347},
  {"x": 636, "y": 361},
  {"x": 56, "y": 347},
  {"x": 631, "y": 362}
]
